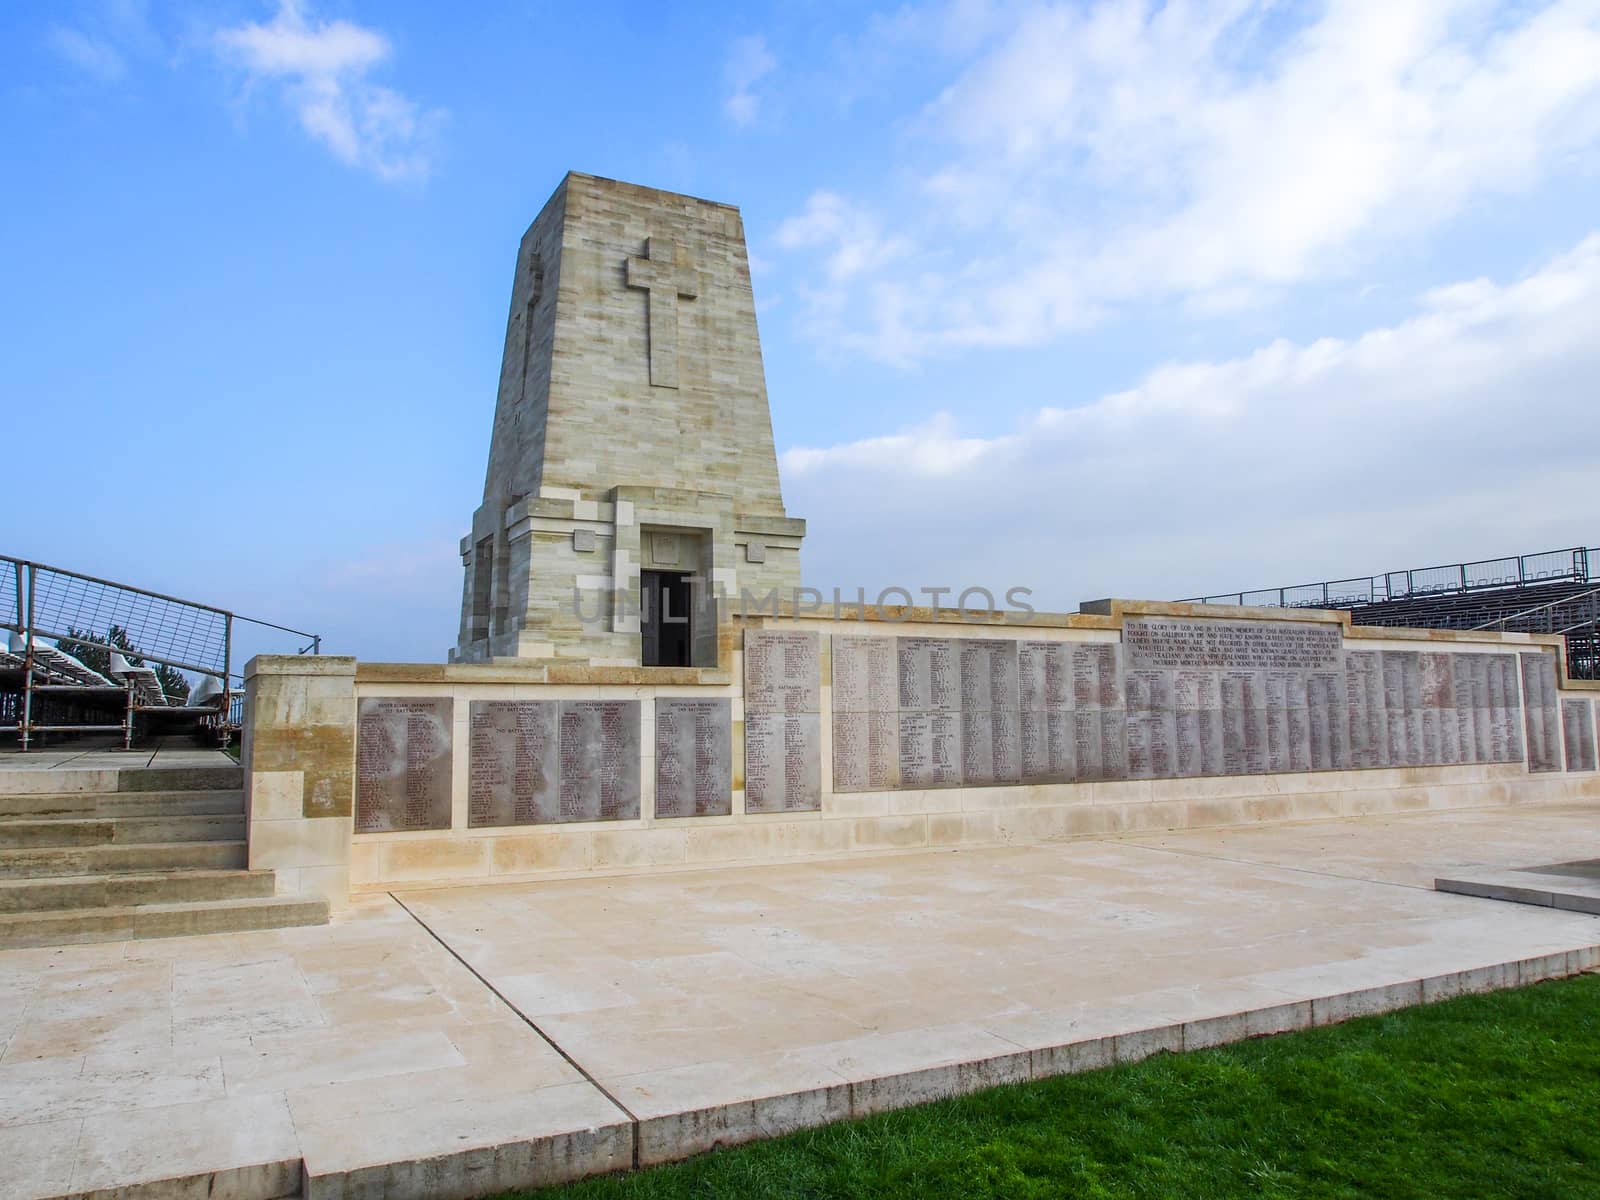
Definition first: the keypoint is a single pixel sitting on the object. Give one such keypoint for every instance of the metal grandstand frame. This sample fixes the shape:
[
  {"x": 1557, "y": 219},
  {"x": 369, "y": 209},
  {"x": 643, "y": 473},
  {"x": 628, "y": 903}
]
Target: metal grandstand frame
[
  {"x": 1547, "y": 592},
  {"x": 51, "y": 602},
  {"x": 1547, "y": 566}
]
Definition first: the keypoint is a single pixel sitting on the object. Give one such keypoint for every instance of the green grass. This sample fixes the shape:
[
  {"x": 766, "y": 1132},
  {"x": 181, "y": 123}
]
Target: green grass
[{"x": 1495, "y": 1095}]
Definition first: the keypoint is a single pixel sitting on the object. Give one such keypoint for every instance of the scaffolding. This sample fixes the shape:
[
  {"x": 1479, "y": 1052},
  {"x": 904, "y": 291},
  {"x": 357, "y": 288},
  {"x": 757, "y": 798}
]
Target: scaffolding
[
  {"x": 1551, "y": 591},
  {"x": 46, "y": 689}
]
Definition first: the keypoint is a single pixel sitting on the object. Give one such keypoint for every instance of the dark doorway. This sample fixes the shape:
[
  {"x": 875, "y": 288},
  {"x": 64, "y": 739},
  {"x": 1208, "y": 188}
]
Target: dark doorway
[{"x": 666, "y": 605}]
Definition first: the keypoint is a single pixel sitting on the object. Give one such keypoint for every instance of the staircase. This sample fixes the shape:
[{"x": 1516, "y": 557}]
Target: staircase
[{"x": 162, "y": 855}]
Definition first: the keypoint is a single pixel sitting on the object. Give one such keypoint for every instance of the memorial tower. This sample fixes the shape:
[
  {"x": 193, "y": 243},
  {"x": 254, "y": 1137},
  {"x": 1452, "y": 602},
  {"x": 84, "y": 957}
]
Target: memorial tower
[{"x": 632, "y": 478}]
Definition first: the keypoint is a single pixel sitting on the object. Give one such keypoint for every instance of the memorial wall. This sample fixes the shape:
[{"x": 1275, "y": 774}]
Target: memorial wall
[
  {"x": 811, "y": 747},
  {"x": 1175, "y": 699},
  {"x": 530, "y": 762}
]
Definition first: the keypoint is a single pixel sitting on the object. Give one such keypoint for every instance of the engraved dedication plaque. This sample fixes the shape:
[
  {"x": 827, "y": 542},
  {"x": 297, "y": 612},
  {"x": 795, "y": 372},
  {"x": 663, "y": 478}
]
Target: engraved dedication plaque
[
  {"x": 1506, "y": 703},
  {"x": 1577, "y": 734},
  {"x": 1402, "y": 697},
  {"x": 513, "y": 766},
  {"x": 1197, "y": 719},
  {"x": 599, "y": 760},
  {"x": 1048, "y": 740},
  {"x": 694, "y": 757},
  {"x": 403, "y": 764},
  {"x": 931, "y": 697},
  {"x": 782, "y": 762},
  {"x": 782, "y": 721},
  {"x": 930, "y": 674},
  {"x": 1541, "y": 722},
  {"x": 988, "y": 675},
  {"x": 782, "y": 671},
  {"x": 1152, "y": 724},
  {"x": 991, "y": 734},
  {"x": 866, "y": 714},
  {"x": 1096, "y": 676},
  {"x": 865, "y": 674},
  {"x": 1047, "y": 736},
  {"x": 1099, "y": 720},
  {"x": 1199, "y": 642},
  {"x": 930, "y": 749}
]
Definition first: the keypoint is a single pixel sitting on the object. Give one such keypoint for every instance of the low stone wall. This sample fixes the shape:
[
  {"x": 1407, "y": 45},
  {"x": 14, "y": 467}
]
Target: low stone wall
[
  {"x": 298, "y": 754},
  {"x": 905, "y": 731}
]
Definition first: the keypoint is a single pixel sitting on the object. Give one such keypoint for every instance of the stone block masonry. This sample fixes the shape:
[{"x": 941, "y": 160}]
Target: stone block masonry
[
  {"x": 911, "y": 730},
  {"x": 300, "y": 771},
  {"x": 632, "y": 397}
]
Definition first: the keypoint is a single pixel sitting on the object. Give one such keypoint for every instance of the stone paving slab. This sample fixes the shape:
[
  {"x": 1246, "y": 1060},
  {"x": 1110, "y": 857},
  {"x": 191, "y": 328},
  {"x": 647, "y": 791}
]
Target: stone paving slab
[
  {"x": 73, "y": 768},
  {"x": 1574, "y": 886},
  {"x": 722, "y": 1005},
  {"x": 1412, "y": 848},
  {"x": 374, "y": 1057},
  {"x": 253, "y": 1065}
]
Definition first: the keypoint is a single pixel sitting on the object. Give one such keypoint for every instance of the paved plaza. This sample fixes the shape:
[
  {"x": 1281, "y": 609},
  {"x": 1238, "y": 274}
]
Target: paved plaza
[
  {"x": 449, "y": 1042},
  {"x": 52, "y": 768}
]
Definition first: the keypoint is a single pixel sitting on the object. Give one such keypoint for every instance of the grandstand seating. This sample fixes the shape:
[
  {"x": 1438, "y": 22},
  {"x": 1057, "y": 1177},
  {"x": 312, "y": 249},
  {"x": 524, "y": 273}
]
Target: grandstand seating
[
  {"x": 1548, "y": 592},
  {"x": 145, "y": 682}
]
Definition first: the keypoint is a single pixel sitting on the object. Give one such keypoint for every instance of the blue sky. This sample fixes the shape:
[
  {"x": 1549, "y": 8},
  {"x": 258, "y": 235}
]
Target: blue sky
[{"x": 1092, "y": 298}]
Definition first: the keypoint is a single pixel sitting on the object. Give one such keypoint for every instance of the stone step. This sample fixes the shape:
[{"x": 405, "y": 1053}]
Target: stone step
[
  {"x": 38, "y": 862},
  {"x": 158, "y": 920},
  {"x": 20, "y": 833},
  {"x": 179, "y": 779},
  {"x": 120, "y": 891},
  {"x": 18, "y": 781},
  {"x": 123, "y": 804}
]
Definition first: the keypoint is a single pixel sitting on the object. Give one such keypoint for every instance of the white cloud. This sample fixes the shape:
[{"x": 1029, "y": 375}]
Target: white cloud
[
  {"x": 749, "y": 62},
  {"x": 1090, "y": 157},
  {"x": 1448, "y": 434},
  {"x": 89, "y": 54},
  {"x": 322, "y": 67}
]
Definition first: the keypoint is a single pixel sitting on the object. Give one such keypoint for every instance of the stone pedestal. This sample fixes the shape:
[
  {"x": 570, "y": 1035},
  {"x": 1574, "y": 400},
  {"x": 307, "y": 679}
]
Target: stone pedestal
[{"x": 299, "y": 758}]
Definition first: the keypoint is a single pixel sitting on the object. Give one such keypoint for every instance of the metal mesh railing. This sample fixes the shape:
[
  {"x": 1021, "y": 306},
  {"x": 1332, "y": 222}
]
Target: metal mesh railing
[
  {"x": 92, "y": 617},
  {"x": 164, "y": 629},
  {"x": 11, "y": 597}
]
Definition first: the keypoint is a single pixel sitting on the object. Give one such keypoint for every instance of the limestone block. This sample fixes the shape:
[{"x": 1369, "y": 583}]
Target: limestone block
[
  {"x": 552, "y": 851},
  {"x": 962, "y": 829},
  {"x": 275, "y": 795},
  {"x": 299, "y": 842},
  {"x": 613, "y": 848},
  {"x": 301, "y": 715},
  {"x": 895, "y": 832},
  {"x": 417, "y": 860}
]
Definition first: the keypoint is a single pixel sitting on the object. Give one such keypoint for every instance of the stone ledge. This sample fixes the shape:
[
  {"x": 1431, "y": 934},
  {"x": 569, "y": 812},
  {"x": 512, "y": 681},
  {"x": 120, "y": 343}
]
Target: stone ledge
[
  {"x": 300, "y": 664},
  {"x": 670, "y": 1136},
  {"x": 540, "y": 670}
]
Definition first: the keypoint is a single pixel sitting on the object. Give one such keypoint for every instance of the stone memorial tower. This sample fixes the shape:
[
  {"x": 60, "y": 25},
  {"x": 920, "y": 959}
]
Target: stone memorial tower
[{"x": 632, "y": 478}]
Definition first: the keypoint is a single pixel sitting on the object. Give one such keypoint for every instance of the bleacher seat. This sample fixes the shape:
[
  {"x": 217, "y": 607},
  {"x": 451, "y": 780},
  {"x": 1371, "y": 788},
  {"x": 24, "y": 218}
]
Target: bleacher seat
[
  {"x": 57, "y": 661},
  {"x": 146, "y": 683}
]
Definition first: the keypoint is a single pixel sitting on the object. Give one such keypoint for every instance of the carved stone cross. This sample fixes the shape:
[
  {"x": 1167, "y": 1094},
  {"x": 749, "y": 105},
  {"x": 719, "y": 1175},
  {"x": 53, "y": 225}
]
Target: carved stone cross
[{"x": 659, "y": 273}]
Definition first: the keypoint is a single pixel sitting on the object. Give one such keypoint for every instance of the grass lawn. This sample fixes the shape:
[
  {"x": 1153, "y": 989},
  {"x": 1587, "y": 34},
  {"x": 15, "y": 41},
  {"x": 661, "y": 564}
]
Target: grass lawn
[{"x": 1495, "y": 1095}]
